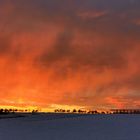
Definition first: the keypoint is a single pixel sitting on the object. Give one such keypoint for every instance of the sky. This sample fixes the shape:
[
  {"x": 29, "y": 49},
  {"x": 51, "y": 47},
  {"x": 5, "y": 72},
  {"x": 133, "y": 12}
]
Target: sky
[{"x": 72, "y": 53}]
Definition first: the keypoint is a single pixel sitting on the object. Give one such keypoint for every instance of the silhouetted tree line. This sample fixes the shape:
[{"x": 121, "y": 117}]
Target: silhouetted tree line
[
  {"x": 12, "y": 111},
  {"x": 77, "y": 111},
  {"x": 7, "y": 111},
  {"x": 113, "y": 111},
  {"x": 34, "y": 111},
  {"x": 126, "y": 111}
]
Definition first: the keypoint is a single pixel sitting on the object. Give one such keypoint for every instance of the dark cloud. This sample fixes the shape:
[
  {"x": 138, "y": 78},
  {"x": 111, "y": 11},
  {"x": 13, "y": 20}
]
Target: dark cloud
[{"x": 99, "y": 57}]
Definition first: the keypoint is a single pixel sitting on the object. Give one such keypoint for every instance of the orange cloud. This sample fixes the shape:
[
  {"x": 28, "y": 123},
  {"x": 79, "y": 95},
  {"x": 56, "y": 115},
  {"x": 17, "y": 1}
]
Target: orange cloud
[
  {"x": 50, "y": 56},
  {"x": 137, "y": 22}
]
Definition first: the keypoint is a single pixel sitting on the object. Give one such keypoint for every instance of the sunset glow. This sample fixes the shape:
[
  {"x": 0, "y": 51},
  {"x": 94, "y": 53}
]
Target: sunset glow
[{"x": 70, "y": 54}]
